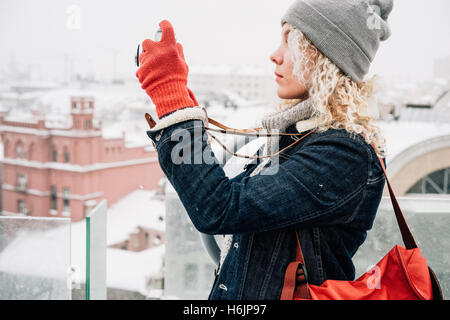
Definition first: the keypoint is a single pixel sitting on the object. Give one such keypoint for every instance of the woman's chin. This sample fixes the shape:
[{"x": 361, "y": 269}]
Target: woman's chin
[
  {"x": 283, "y": 95},
  {"x": 286, "y": 96}
]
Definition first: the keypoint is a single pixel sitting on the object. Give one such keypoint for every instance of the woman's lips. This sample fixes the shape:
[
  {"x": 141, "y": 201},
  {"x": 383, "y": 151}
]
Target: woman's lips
[{"x": 278, "y": 77}]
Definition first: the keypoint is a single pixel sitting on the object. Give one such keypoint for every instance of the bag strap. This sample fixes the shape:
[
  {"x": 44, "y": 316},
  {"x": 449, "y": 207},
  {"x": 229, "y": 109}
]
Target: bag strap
[
  {"x": 407, "y": 236},
  {"x": 296, "y": 277}
]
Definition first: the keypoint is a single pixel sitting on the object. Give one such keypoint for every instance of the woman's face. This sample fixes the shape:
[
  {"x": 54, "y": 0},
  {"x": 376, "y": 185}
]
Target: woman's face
[{"x": 289, "y": 87}]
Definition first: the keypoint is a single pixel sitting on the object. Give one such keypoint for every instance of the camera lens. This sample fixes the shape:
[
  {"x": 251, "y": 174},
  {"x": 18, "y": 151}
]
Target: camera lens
[{"x": 136, "y": 58}]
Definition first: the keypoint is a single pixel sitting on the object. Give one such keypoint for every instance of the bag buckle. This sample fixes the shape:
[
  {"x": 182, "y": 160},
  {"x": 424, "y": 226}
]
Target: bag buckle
[{"x": 301, "y": 275}]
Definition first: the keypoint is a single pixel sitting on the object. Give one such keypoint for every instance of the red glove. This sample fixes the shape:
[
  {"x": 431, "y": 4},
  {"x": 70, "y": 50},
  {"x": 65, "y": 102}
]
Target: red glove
[{"x": 163, "y": 73}]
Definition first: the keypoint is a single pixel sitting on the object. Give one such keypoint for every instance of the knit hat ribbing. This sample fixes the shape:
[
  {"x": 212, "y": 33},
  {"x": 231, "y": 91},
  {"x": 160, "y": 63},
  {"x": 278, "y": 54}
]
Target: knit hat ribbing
[{"x": 348, "y": 32}]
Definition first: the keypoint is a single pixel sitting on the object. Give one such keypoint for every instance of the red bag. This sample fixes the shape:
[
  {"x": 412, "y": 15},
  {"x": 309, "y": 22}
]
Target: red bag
[{"x": 403, "y": 274}]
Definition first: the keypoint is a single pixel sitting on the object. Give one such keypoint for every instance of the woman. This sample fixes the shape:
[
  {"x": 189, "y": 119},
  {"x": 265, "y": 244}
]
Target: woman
[{"x": 326, "y": 189}]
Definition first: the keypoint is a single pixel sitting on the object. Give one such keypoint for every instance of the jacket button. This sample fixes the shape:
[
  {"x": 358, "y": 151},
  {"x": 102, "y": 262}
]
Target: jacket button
[
  {"x": 236, "y": 245},
  {"x": 158, "y": 136},
  {"x": 223, "y": 287}
]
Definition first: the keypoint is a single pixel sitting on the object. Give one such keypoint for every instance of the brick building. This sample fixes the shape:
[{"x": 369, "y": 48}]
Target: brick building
[{"x": 65, "y": 172}]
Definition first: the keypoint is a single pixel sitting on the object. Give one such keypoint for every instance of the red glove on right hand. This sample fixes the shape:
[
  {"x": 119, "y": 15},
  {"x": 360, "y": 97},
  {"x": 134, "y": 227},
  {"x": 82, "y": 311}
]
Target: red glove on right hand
[{"x": 163, "y": 73}]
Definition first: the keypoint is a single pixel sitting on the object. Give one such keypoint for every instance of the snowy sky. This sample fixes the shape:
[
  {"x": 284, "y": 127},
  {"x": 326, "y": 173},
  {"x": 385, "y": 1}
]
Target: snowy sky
[{"x": 232, "y": 31}]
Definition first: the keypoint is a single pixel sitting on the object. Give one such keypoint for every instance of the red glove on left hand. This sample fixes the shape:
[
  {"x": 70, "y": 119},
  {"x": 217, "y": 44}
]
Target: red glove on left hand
[{"x": 163, "y": 73}]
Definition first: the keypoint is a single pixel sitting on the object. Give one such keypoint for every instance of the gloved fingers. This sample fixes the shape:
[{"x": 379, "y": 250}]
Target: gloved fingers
[
  {"x": 147, "y": 45},
  {"x": 141, "y": 72},
  {"x": 168, "y": 34},
  {"x": 141, "y": 59},
  {"x": 180, "y": 50}
]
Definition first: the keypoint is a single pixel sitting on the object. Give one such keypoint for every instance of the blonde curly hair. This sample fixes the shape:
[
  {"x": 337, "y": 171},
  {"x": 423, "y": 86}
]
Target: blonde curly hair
[{"x": 340, "y": 103}]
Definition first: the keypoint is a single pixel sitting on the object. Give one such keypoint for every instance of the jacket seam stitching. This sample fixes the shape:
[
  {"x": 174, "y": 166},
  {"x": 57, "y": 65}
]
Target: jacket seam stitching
[
  {"x": 266, "y": 280},
  {"x": 316, "y": 236},
  {"x": 370, "y": 181},
  {"x": 245, "y": 270}
]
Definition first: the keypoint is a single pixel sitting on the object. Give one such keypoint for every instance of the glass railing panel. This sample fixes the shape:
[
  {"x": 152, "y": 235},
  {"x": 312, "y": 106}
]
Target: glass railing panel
[
  {"x": 96, "y": 253},
  {"x": 35, "y": 258},
  {"x": 188, "y": 270}
]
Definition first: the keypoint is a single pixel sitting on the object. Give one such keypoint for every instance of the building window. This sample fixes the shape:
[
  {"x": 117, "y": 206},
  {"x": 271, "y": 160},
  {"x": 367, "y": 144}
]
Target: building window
[
  {"x": 437, "y": 182},
  {"x": 21, "y": 206},
  {"x": 66, "y": 195},
  {"x": 157, "y": 240},
  {"x": 21, "y": 182},
  {"x": 55, "y": 156},
  {"x": 66, "y": 156},
  {"x": 20, "y": 152},
  {"x": 190, "y": 276},
  {"x": 53, "y": 198}
]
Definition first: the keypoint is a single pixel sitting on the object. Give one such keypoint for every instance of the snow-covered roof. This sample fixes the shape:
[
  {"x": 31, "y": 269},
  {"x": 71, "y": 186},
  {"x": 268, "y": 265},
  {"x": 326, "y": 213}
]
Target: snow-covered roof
[
  {"x": 132, "y": 271},
  {"x": 136, "y": 209},
  {"x": 135, "y": 132}
]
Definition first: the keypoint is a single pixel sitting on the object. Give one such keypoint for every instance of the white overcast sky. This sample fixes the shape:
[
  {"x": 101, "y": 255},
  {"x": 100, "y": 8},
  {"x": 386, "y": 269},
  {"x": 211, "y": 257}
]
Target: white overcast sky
[{"x": 211, "y": 31}]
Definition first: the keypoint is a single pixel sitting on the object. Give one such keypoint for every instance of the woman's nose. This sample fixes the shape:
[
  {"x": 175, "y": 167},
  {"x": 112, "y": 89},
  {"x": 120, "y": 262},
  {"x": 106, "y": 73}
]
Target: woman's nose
[{"x": 275, "y": 58}]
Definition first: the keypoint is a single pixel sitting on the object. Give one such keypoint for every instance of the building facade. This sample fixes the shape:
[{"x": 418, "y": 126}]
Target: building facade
[{"x": 65, "y": 172}]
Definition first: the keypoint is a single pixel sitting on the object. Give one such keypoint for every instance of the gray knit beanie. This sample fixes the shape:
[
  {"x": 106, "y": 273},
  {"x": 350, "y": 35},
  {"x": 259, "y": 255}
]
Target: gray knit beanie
[{"x": 348, "y": 32}]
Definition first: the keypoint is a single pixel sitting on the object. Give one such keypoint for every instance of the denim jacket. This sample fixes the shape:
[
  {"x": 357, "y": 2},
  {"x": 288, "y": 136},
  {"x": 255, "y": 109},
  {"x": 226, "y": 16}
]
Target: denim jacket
[{"x": 327, "y": 189}]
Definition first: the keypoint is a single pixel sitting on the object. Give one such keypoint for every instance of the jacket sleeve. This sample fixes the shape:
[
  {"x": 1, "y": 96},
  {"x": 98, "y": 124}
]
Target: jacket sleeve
[{"x": 321, "y": 184}]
